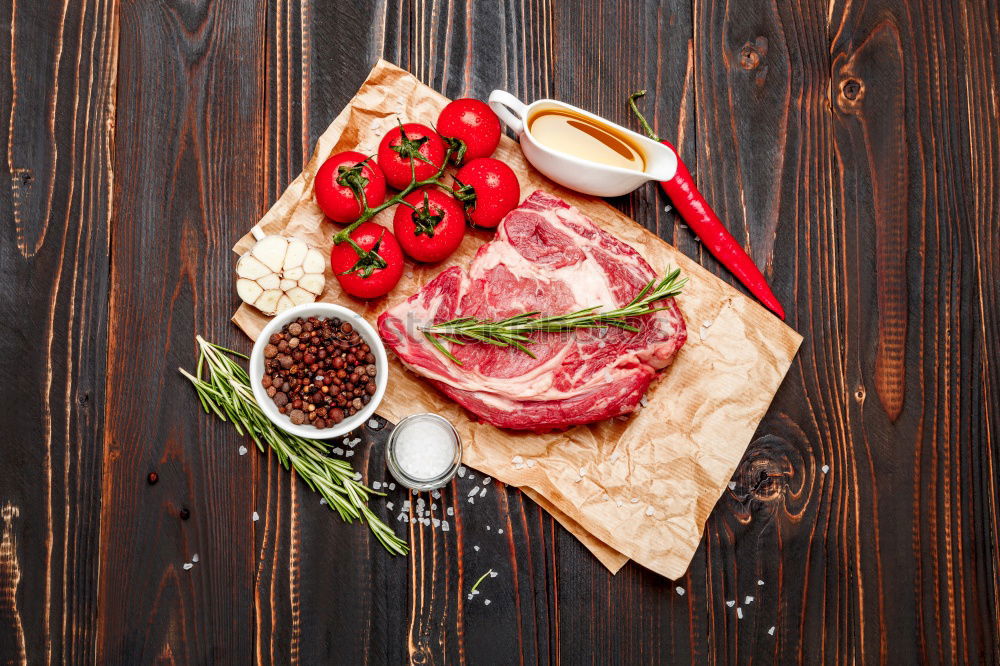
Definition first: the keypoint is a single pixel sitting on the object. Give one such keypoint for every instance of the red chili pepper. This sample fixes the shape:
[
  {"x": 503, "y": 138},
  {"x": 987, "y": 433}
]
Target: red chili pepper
[{"x": 703, "y": 221}]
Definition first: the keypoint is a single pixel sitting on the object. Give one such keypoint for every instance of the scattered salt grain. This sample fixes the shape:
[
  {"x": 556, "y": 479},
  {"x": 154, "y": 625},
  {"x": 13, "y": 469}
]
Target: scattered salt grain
[
  {"x": 434, "y": 506},
  {"x": 620, "y": 503},
  {"x": 605, "y": 497},
  {"x": 707, "y": 323},
  {"x": 471, "y": 476},
  {"x": 649, "y": 511},
  {"x": 470, "y": 597},
  {"x": 643, "y": 401},
  {"x": 667, "y": 208},
  {"x": 487, "y": 480},
  {"x": 451, "y": 511},
  {"x": 760, "y": 582},
  {"x": 825, "y": 468},
  {"x": 500, "y": 531},
  {"x": 517, "y": 459},
  {"x": 770, "y": 632},
  {"x": 444, "y": 526},
  {"x": 530, "y": 462},
  {"x": 739, "y": 613},
  {"x": 634, "y": 500},
  {"x": 357, "y": 476},
  {"x": 461, "y": 471},
  {"x": 322, "y": 500},
  {"x": 373, "y": 424},
  {"x": 473, "y": 491},
  {"x": 616, "y": 455},
  {"x": 680, "y": 590},
  {"x": 187, "y": 565},
  {"x": 732, "y": 485},
  {"x": 748, "y": 600},
  {"x": 338, "y": 451},
  {"x": 486, "y": 602},
  {"x": 483, "y": 493},
  {"x": 476, "y": 548},
  {"x": 493, "y": 574},
  {"x": 376, "y": 485},
  {"x": 256, "y": 516},
  {"x": 731, "y": 603},
  {"x": 392, "y": 486},
  {"x": 406, "y": 505},
  {"x": 243, "y": 450},
  {"x": 436, "y": 521},
  {"x": 194, "y": 558},
  {"x": 403, "y": 518},
  {"x": 583, "y": 471},
  {"x": 472, "y": 500},
  {"x": 436, "y": 494},
  {"x": 488, "y": 528},
  {"x": 425, "y": 522},
  {"x": 350, "y": 453}
]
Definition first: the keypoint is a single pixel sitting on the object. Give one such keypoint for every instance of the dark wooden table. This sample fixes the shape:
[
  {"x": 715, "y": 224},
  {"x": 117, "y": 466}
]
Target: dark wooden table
[{"x": 853, "y": 146}]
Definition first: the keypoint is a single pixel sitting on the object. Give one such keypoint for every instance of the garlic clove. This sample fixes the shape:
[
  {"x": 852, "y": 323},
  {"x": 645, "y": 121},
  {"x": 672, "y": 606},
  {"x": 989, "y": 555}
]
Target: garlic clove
[
  {"x": 284, "y": 303},
  {"x": 268, "y": 301},
  {"x": 293, "y": 273},
  {"x": 313, "y": 282},
  {"x": 270, "y": 251},
  {"x": 248, "y": 267},
  {"x": 287, "y": 284},
  {"x": 300, "y": 296},
  {"x": 271, "y": 281},
  {"x": 248, "y": 290},
  {"x": 314, "y": 262},
  {"x": 297, "y": 250}
]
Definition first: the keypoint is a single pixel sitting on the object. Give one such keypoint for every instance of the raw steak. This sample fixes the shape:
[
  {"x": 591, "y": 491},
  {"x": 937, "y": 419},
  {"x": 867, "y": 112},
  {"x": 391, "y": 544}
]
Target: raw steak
[{"x": 546, "y": 256}]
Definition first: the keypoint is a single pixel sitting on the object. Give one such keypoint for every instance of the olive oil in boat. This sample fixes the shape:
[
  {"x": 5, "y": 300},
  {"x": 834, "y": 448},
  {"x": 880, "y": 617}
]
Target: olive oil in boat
[{"x": 577, "y": 135}]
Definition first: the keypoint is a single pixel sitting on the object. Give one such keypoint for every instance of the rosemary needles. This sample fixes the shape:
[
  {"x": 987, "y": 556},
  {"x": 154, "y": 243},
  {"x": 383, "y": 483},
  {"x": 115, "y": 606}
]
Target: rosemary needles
[
  {"x": 515, "y": 331},
  {"x": 225, "y": 391}
]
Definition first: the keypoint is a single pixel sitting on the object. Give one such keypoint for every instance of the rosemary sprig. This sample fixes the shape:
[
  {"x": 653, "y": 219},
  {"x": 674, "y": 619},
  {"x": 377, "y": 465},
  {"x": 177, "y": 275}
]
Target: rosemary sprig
[
  {"x": 514, "y": 331},
  {"x": 226, "y": 392}
]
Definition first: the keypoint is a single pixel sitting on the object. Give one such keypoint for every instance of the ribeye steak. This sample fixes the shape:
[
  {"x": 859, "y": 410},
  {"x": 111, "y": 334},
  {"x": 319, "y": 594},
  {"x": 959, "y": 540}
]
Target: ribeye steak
[{"x": 546, "y": 256}]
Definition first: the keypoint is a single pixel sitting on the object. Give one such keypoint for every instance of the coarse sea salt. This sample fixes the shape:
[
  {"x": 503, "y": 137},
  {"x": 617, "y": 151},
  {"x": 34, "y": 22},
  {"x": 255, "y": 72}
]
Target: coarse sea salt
[
  {"x": 731, "y": 603},
  {"x": 748, "y": 600},
  {"x": 194, "y": 558},
  {"x": 256, "y": 516},
  {"x": 187, "y": 565},
  {"x": 680, "y": 590},
  {"x": 243, "y": 450},
  {"x": 451, "y": 511},
  {"x": 388, "y": 505},
  {"x": 739, "y": 613},
  {"x": 760, "y": 582},
  {"x": 770, "y": 632},
  {"x": 825, "y": 468},
  {"x": 373, "y": 424},
  {"x": 425, "y": 449},
  {"x": 476, "y": 548}
]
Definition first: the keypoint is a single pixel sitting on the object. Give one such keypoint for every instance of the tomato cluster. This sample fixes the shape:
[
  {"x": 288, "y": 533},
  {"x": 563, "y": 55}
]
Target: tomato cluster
[{"x": 430, "y": 219}]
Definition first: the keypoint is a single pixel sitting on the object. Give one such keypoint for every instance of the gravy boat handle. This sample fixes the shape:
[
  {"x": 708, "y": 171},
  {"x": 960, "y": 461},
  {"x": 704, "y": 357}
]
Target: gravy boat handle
[{"x": 510, "y": 109}]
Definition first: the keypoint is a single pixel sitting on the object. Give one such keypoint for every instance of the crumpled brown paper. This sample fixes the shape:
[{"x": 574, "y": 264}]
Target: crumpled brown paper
[{"x": 639, "y": 487}]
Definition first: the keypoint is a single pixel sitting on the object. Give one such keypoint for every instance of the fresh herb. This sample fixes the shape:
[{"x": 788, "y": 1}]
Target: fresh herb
[
  {"x": 481, "y": 579},
  {"x": 226, "y": 392},
  {"x": 514, "y": 331}
]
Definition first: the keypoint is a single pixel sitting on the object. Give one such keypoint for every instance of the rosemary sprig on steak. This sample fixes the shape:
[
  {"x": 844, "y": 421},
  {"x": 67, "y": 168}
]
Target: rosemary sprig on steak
[{"x": 515, "y": 331}]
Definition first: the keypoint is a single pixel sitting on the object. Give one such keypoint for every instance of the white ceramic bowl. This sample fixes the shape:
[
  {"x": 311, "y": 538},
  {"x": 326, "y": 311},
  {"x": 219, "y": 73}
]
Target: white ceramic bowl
[{"x": 325, "y": 311}]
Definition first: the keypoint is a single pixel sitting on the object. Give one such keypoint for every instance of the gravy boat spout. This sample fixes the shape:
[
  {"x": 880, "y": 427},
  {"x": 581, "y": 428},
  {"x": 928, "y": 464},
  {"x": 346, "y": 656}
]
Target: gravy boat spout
[{"x": 572, "y": 161}]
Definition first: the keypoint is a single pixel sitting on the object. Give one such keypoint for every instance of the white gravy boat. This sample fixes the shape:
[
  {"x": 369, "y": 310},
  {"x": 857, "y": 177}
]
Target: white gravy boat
[{"x": 576, "y": 173}]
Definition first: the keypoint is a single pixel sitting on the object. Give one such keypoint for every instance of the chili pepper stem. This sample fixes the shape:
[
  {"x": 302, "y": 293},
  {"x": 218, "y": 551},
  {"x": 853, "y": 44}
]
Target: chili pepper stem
[{"x": 642, "y": 119}]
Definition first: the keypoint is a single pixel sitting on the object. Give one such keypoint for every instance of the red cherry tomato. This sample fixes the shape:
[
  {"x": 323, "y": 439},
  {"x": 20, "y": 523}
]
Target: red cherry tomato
[
  {"x": 377, "y": 270},
  {"x": 471, "y": 127},
  {"x": 433, "y": 228},
  {"x": 489, "y": 190},
  {"x": 334, "y": 178},
  {"x": 408, "y": 144}
]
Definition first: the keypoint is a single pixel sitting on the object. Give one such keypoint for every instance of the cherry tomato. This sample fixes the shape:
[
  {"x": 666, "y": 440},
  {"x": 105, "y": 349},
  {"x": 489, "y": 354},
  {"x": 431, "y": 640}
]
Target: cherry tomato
[
  {"x": 471, "y": 127},
  {"x": 433, "y": 228},
  {"x": 334, "y": 180},
  {"x": 377, "y": 270},
  {"x": 489, "y": 190},
  {"x": 408, "y": 144}
]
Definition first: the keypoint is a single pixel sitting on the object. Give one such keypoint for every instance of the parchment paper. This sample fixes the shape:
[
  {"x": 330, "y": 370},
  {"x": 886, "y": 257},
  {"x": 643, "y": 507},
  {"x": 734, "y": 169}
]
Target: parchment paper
[{"x": 649, "y": 480}]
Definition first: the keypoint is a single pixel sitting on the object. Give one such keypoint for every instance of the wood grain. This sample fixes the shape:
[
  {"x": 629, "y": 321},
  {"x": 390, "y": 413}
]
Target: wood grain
[
  {"x": 851, "y": 146},
  {"x": 189, "y": 123},
  {"x": 58, "y": 92}
]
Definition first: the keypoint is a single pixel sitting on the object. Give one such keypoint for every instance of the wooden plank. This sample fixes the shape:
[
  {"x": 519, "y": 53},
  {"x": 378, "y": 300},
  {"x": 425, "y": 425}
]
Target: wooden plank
[
  {"x": 857, "y": 496},
  {"x": 58, "y": 97},
  {"x": 188, "y": 180},
  {"x": 912, "y": 90}
]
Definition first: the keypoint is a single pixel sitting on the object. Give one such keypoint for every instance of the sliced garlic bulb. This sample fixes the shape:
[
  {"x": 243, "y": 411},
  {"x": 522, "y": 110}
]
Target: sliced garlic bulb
[{"x": 278, "y": 272}]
